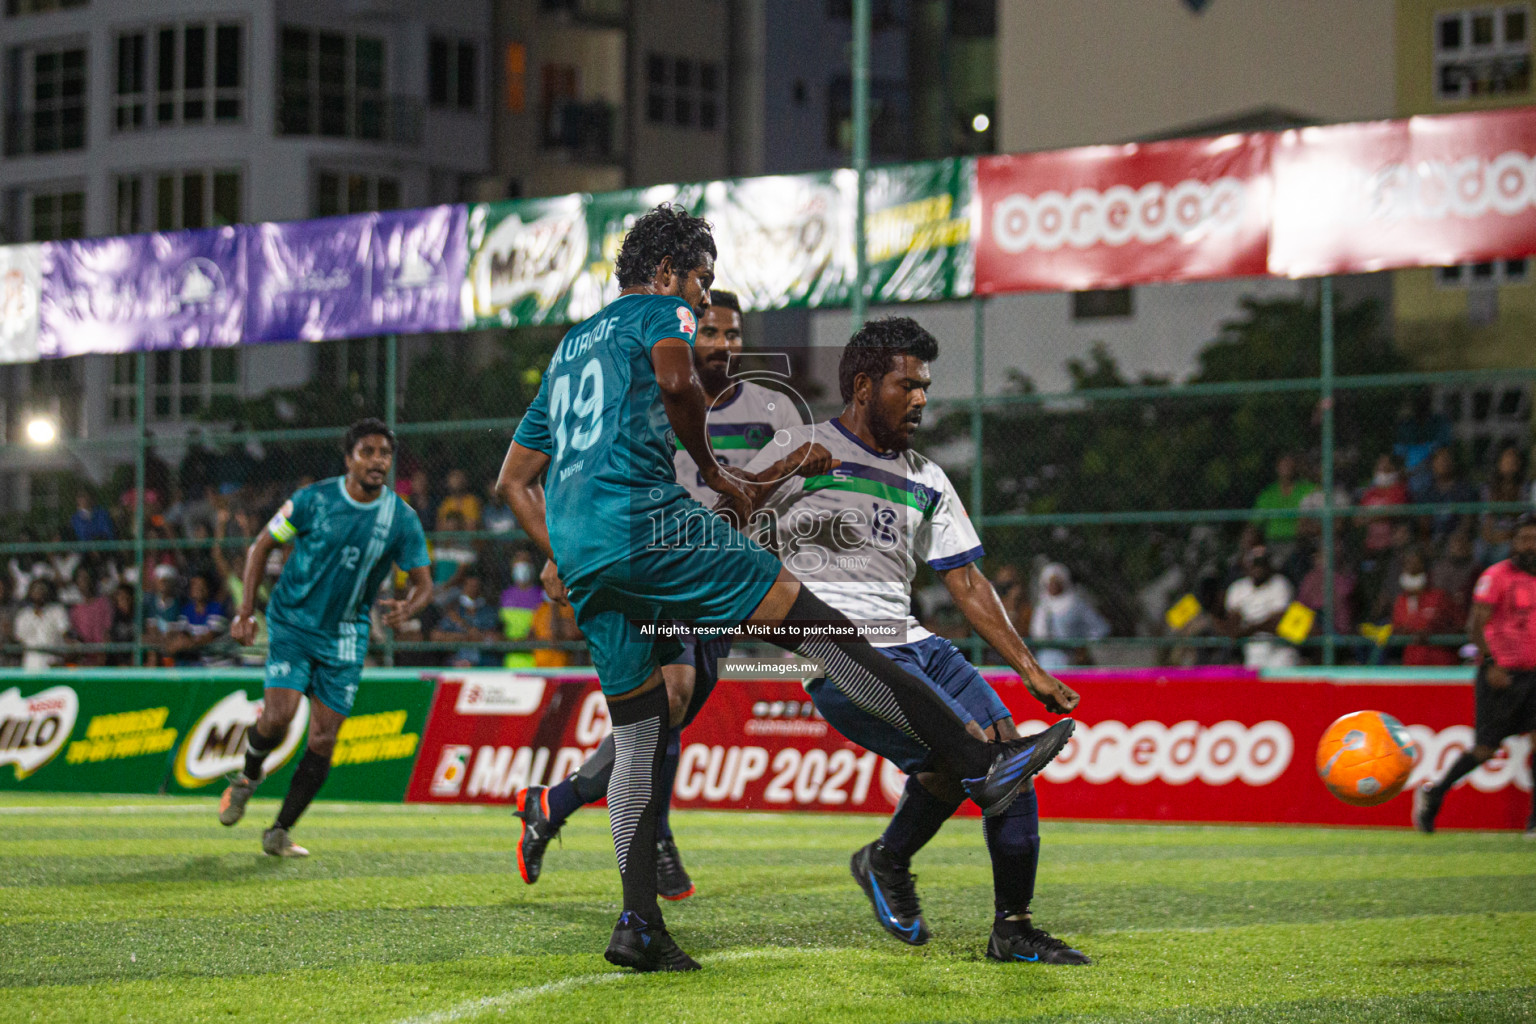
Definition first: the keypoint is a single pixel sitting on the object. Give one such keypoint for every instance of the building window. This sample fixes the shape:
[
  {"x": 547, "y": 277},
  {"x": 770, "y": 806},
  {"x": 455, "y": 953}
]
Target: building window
[
  {"x": 199, "y": 75},
  {"x": 173, "y": 200},
  {"x": 330, "y": 84},
  {"x": 451, "y": 71},
  {"x": 15, "y": 8},
  {"x": 515, "y": 60},
  {"x": 1490, "y": 274},
  {"x": 339, "y": 193},
  {"x": 1483, "y": 52},
  {"x": 55, "y": 214},
  {"x": 890, "y": 122},
  {"x": 182, "y": 385},
  {"x": 1103, "y": 304},
  {"x": 683, "y": 92},
  {"x": 53, "y": 81}
]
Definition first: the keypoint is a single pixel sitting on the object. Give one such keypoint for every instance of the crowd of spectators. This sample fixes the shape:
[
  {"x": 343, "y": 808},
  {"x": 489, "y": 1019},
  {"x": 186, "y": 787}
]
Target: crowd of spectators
[
  {"x": 79, "y": 607},
  {"x": 1412, "y": 572},
  {"x": 1407, "y": 574}
]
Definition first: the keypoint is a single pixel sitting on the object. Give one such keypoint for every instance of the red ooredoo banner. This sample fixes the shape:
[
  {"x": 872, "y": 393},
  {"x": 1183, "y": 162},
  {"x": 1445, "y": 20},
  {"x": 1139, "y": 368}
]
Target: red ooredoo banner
[
  {"x": 1105, "y": 216},
  {"x": 1426, "y": 191},
  {"x": 1198, "y": 745}
]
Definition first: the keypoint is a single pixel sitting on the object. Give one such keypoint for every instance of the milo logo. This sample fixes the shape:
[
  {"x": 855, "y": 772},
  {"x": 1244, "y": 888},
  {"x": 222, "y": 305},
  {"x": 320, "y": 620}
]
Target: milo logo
[
  {"x": 518, "y": 259},
  {"x": 215, "y": 746},
  {"x": 33, "y": 729}
]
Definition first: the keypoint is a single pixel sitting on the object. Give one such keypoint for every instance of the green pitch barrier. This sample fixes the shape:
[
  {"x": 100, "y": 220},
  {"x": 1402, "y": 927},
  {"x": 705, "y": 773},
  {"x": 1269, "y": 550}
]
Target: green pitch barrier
[{"x": 170, "y": 731}]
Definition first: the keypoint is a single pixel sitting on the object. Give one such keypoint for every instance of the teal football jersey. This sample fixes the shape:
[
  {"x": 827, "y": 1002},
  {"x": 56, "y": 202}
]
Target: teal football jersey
[
  {"x": 343, "y": 550},
  {"x": 600, "y": 419}
]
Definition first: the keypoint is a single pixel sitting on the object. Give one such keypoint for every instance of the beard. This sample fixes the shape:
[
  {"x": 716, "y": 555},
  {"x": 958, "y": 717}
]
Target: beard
[
  {"x": 889, "y": 437},
  {"x": 715, "y": 379}
]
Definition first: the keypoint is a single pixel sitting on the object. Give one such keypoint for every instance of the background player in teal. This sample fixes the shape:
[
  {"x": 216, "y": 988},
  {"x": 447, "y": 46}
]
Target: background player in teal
[
  {"x": 607, "y": 512},
  {"x": 349, "y": 533}
]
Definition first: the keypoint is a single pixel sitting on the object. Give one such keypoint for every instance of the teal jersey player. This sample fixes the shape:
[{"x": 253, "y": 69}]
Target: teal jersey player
[
  {"x": 599, "y": 418},
  {"x": 343, "y": 549},
  {"x": 348, "y": 533}
]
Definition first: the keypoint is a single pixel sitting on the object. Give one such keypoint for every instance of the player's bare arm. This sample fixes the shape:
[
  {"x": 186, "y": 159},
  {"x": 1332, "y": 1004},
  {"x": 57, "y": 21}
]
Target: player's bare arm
[
  {"x": 687, "y": 410},
  {"x": 1477, "y": 624},
  {"x": 519, "y": 485},
  {"x": 978, "y": 602},
  {"x": 243, "y": 628},
  {"x": 808, "y": 460},
  {"x": 417, "y": 596}
]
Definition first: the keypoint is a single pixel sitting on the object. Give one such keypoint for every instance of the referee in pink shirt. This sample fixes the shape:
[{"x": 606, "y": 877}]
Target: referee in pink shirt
[{"x": 1503, "y": 626}]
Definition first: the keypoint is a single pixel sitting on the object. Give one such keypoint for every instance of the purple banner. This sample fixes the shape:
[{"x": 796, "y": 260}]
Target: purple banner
[
  {"x": 375, "y": 273},
  {"x": 419, "y": 259},
  {"x": 181, "y": 289},
  {"x": 309, "y": 279}
]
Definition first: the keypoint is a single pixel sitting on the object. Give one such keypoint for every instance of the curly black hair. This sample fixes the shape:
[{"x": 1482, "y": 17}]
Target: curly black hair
[
  {"x": 725, "y": 299},
  {"x": 366, "y": 428},
  {"x": 665, "y": 231},
  {"x": 870, "y": 350}
]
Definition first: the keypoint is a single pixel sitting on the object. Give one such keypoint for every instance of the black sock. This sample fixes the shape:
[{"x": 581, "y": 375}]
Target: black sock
[
  {"x": 1465, "y": 764},
  {"x": 878, "y": 686},
  {"x": 257, "y": 747},
  {"x": 639, "y": 742},
  {"x": 587, "y": 785},
  {"x": 918, "y": 818},
  {"x": 667, "y": 782},
  {"x": 1013, "y": 840},
  {"x": 307, "y": 780}
]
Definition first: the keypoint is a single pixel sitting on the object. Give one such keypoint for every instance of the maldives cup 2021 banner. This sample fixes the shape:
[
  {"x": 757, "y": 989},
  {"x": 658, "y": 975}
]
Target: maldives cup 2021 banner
[{"x": 1176, "y": 745}]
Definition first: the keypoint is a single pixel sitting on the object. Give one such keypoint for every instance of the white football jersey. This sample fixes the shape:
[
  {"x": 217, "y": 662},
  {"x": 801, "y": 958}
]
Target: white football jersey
[
  {"x": 738, "y": 427},
  {"x": 854, "y": 535}
]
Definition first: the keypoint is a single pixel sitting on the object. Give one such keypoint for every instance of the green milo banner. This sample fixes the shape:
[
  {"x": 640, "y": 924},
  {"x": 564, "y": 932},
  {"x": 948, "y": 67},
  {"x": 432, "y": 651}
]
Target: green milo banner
[
  {"x": 142, "y": 731},
  {"x": 784, "y": 240}
]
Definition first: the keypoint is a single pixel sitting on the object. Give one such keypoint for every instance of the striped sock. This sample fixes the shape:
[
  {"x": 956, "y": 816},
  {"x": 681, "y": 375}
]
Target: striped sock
[{"x": 639, "y": 742}]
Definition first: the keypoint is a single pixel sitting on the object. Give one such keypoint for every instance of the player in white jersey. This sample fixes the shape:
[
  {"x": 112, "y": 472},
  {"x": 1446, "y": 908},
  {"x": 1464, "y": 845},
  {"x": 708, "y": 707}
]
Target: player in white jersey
[
  {"x": 743, "y": 417},
  {"x": 854, "y": 535}
]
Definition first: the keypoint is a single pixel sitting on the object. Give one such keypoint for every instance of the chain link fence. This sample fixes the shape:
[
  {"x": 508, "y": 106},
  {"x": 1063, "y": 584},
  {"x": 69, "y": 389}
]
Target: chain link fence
[{"x": 1121, "y": 510}]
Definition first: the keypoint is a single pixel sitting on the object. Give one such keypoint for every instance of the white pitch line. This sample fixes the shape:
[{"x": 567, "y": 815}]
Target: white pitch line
[{"x": 473, "y": 1007}]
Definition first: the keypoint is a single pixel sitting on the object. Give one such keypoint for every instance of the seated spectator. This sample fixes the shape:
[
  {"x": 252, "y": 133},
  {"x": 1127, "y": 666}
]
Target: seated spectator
[
  {"x": 451, "y": 558},
  {"x": 81, "y": 587},
  {"x": 1443, "y": 486},
  {"x": 417, "y": 491},
  {"x": 1009, "y": 584},
  {"x": 90, "y": 521},
  {"x": 498, "y": 514},
  {"x": 1285, "y": 493},
  {"x": 1310, "y": 593},
  {"x": 1422, "y": 611},
  {"x": 27, "y": 568},
  {"x": 1456, "y": 572},
  {"x": 519, "y": 602},
  {"x": 122, "y": 628},
  {"x": 1380, "y": 584},
  {"x": 1507, "y": 484},
  {"x": 1420, "y": 431},
  {"x": 90, "y": 617},
  {"x": 469, "y": 619},
  {"x": 554, "y": 622},
  {"x": 199, "y": 561},
  {"x": 42, "y": 627},
  {"x": 163, "y": 607},
  {"x": 1061, "y": 613},
  {"x": 1389, "y": 486},
  {"x": 201, "y": 622},
  {"x": 7, "y": 623},
  {"x": 1255, "y": 605},
  {"x": 459, "y": 501}
]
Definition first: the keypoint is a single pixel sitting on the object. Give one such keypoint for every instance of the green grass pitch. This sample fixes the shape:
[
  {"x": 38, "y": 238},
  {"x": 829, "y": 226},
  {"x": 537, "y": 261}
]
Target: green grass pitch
[{"x": 141, "y": 909}]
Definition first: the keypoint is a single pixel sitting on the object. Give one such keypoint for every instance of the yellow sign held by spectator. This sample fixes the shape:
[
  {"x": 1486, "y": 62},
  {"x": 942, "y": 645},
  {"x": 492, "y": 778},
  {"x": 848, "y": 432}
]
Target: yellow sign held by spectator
[
  {"x": 1381, "y": 634},
  {"x": 1183, "y": 612},
  {"x": 1296, "y": 624}
]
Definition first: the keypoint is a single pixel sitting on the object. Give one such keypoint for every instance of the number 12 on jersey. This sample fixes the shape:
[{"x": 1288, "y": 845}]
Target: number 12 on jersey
[{"x": 586, "y": 408}]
